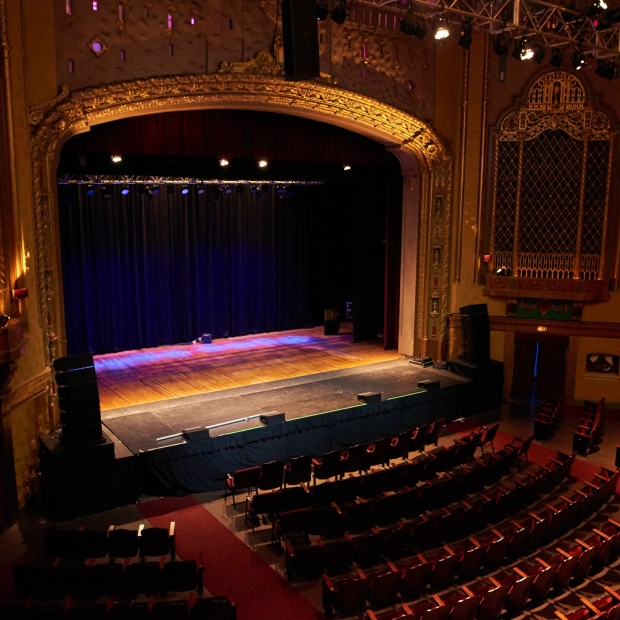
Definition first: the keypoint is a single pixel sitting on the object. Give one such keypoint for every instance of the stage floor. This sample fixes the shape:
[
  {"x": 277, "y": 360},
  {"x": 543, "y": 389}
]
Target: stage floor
[
  {"x": 359, "y": 368},
  {"x": 163, "y": 373}
]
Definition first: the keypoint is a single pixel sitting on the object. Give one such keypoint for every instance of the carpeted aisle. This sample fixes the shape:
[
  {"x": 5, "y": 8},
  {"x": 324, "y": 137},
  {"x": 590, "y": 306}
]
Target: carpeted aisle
[{"x": 231, "y": 568}]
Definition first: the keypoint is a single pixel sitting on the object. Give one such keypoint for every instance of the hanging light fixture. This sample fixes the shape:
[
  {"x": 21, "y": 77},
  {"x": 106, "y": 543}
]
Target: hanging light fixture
[{"x": 441, "y": 30}]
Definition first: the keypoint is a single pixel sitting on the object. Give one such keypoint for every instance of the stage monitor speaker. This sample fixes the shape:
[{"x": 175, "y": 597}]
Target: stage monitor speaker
[
  {"x": 71, "y": 362},
  {"x": 301, "y": 39},
  {"x": 196, "y": 434},
  {"x": 76, "y": 376},
  {"x": 476, "y": 333},
  {"x": 272, "y": 418},
  {"x": 429, "y": 384},
  {"x": 369, "y": 397}
]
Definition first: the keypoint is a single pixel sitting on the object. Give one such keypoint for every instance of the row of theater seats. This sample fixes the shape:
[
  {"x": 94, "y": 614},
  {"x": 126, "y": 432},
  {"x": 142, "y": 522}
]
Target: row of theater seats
[
  {"x": 382, "y": 498},
  {"x": 563, "y": 562},
  {"x": 436, "y": 527},
  {"x": 365, "y": 490},
  {"x": 88, "y": 564},
  {"x": 335, "y": 464},
  {"x": 590, "y": 427},
  {"x": 192, "y": 608},
  {"x": 547, "y": 419}
]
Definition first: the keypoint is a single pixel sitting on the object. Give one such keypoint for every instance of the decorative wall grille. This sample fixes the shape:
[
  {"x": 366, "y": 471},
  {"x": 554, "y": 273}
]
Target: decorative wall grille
[{"x": 551, "y": 184}]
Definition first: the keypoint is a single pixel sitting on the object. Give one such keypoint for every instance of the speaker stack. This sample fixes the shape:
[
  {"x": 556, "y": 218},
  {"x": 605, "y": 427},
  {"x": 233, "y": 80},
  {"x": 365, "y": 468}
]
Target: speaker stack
[
  {"x": 476, "y": 335},
  {"x": 78, "y": 397},
  {"x": 301, "y": 39}
]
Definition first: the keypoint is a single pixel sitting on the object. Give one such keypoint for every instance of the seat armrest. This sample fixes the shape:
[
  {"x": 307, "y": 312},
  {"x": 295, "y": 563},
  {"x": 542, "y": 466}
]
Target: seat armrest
[
  {"x": 589, "y": 605},
  {"x": 519, "y": 572},
  {"x": 568, "y": 501},
  {"x": 601, "y": 534},
  {"x": 360, "y": 573},
  {"x": 328, "y": 582},
  {"x": 474, "y": 541},
  {"x": 140, "y": 528},
  {"x": 585, "y": 545},
  {"x": 494, "y": 581},
  {"x": 498, "y": 534},
  {"x": 613, "y": 593},
  {"x": 467, "y": 591},
  {"x": 535, "y": 517},
  {"x": 438, "y": 600},
  {"x": 560, "y": 615},
  {"x": 542, "y": 563}
]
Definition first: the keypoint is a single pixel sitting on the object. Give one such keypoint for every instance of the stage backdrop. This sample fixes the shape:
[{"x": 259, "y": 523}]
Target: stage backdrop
[{"x": 142, "y": 272}]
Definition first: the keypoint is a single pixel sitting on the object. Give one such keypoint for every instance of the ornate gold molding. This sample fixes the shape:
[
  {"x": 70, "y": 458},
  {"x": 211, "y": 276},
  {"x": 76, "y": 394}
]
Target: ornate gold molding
[
  {"x": 36, "y": 112},
  {"x": 257, "y": 84}
]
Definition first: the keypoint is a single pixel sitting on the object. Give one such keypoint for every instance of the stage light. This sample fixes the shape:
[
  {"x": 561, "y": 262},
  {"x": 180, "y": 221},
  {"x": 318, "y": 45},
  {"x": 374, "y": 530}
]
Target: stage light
[
  {"x": 321, "y": 10},
  {"x": 254, "y": 188},
  {"x": 465, "y": 39},
  {"x": 227, "y": 189},
  {"x": 528, "y": 51},
  {"x": 579, "y": 60},
  {"x": 346, "y": 167},
  {"x": 4, "y": 319},
  {"x": 224, "y": 162},
  {"x": 517, "y": 52},
  {"x": 170, "y": 188},
  {"x": 500, "y": 44},
  {"x": 441, "y": 30},
  {"x": 106, "y": 192},
  {"x": 117, "y": 159},
  {"x": 125, "y": 190},
  {"x": 262, "y": 163},
  {"x": 155, "y": 189},
  {"x": 185, "y": 189},
  {"x": 606, "y": 19},
  {"x": 557, "y": 57},
  {"x": 282, "y": 191},
  {"x": 339, "y": 13},
  {"x": 90, "y": 189},
  {"x": 598, "y": 6},
  {"x": 539, "y": 53},
  {"x": 200, "y": 189},
  {"x": 149, "y": 191},
  {"x": 409, "y": 22},
  {"x": 606, "y": 69}
]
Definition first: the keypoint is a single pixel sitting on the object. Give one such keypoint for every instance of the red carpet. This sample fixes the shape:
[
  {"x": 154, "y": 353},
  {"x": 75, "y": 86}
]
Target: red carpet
[{"x": 231, "y": 568}]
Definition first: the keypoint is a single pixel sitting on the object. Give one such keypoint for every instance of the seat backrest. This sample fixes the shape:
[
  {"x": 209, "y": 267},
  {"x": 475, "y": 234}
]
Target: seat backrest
[
  {"x": 350, "y": 597},
  {"x": 489, "y": 434},
  {"x": 60, "y": 543},
  {"x": 123, "y": 543},
  {"x": 247, "y": 477},
  {"x": 415, "y": 579},
  {"x": 330, "y": 464},
  {"x": 299, "y": 470},
  {"x": 383, "y": 589},
  {"x": 526, "y": 444},
  {"x": 493, "y": 603},
  {"x": 92, "y": 544},
  {"x": 466, "y": 608},
  {"x": 213, "y": 608},
  {"x": 294, "y": 520},
  {"x": 154, "y": 541},
  {"x": 180, "y": 576},
  {"x": 271, "y": 475}
]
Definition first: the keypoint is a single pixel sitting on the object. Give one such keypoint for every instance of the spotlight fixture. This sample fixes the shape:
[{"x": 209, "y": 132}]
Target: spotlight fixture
[
  {"x": 465, "y": 40},
  {"x": 605, "y": 69},
  {"x": 500, "y": 44},
  {"x": 557, "y": 57},
  {"x": 441, "y": 30},
  {"x": 155, "y": 189},
  {"x": 4, "y": 319},
  {"x": 598, "y": 6},
  {"x": 149, "y": 191},
  {"x": 125, "y": 190},
  {"x": 200, "y": 189},
  {"x": 527, "y": 52},
  {"x": 579, "y": 60},
  {"x": 517, "y": 52},
  {"x": 262, "y": 163},
  {"x": 253, "y": 189},
  {"x": 170, "y": 188},
  {"x": 339, "y": 13},
  {"x": 224, "y": 162},
  {"x": 282, "y": 191},
  {"x": 106, "y": 192},
  {"x": 539, "y": 53},
  {"x": 346, "y": 167},
  {"x": 117, "y": 159},
  {"x": 141, "y": 189},
  {"x": 90, "y": 189},
  {"x": 408, "y": 23},
  {"x": 420, "y": 30},
  {"x": 321, "y": 10},
  {"x": 227, "y": 189},
  {"x": 185, "y": 190}
]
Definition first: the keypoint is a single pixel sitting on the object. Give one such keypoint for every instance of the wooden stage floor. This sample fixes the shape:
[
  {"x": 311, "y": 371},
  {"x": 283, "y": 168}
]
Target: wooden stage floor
[{"x": 151, "y": 375}]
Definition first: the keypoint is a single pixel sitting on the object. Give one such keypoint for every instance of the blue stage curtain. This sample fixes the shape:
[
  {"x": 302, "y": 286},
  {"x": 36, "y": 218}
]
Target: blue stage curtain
[{"x": 142, "y": 272}]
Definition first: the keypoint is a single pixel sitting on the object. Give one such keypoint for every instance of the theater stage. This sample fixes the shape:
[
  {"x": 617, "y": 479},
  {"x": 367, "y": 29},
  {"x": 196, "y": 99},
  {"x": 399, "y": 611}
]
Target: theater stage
[{"x": 155, "y": 393}]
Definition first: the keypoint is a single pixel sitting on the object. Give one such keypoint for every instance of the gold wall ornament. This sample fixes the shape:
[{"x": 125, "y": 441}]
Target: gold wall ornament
[
  {"x": 36, "y": 112},
  {"x": 256, "y": 85}
]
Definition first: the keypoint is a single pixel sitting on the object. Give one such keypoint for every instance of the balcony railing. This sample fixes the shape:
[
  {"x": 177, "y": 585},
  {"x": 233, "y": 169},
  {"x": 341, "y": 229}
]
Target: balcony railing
[{"x": 548, "y": 266}]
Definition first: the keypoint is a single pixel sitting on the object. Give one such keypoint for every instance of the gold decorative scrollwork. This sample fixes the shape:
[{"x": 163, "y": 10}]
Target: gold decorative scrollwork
[
  {"x": 36, "y": 112},
  {"x": 257, "y": 84}
]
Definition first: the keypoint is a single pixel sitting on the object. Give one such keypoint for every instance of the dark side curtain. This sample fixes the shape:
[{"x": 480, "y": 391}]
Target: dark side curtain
[{"x": 142, "y": 272}]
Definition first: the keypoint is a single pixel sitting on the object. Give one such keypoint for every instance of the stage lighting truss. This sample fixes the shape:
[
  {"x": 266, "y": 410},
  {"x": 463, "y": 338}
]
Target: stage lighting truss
[
  {"x": 153, "y": 185},
  {"x": 594, "y": 34}
]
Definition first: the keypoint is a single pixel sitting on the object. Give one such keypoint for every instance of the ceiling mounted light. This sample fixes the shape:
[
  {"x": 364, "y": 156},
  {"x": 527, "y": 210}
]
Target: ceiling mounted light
[
  {"x": 539, "y": 53},
  {"x": 227, "y": 189},
  {"x": 262, "y": 163},
  {"x": 200, "y": 189},
  {"x": 408, "y": 23},
  {"x": 579, "y": 60},
  {"x": 149, "y": 191},
  {"x": 465, "y": 40},
  {"x": 346, "y": 167},
  {"x": 282, "y": 191},
  {"x": 155, "y": 189},
  {"x": 522, "y": 51},
  {"x": 598, "y": 6},
  {"x": 90, "y": 189},
  {"x": 527, "y": 52},
  {"x": 321, "y": 10},
  {"x": 125, "y": 190},
  {"x": 224, "y": 162},
  {"x": 117, "y": 159},
  {"x": 441, "y": 30},
  {"x": 557, "y": 57},
  {"x": 185, "y": 190},
  {"x": 106, "y": 192},
  {"x": 500, "y": 44},
  {"x": 339, "y": 13}
]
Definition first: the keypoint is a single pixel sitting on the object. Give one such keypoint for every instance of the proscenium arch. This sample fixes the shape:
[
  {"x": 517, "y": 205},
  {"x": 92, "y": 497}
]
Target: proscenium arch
[{"x": 423, "y": 156}]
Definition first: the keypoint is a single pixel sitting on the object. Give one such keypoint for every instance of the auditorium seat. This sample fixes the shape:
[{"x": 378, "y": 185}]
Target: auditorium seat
[
  {"x": 298, "y": 470},
  {"x": 383, "y": 586},
  {"x": 59, "y": 543},
  {"x": 368, "y": 548},
  {"x": 170, "y": 610},
  {"x": 92, "y": 544},
  {"x": 105, "y": 579},
  {"x": 122, "y": 543},
  {"x": 304, "y": 561},
  {"x": 240, "y": 480},
  {"x": 327, "y": 466},
  {"x": 354, "y": 459},
  {"x": 156, "y": 541},
  {"x": 347, "y": 595},
  {"x": 488, "y": 436},
  {"x": 399, "y": 448},
  {"x": 183, "y": 576},
  {"x": 128, "y": 611},
  {"x": 214, "y": 608},
  {"x": 271, "y": 476},
  {"x": 379, "y": 453},
  {"x": 143, "y": 578}
]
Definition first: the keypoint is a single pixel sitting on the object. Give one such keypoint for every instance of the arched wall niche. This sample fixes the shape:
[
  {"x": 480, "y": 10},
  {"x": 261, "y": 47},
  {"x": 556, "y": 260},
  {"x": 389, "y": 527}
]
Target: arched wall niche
[{"x": 259, "y": 85}]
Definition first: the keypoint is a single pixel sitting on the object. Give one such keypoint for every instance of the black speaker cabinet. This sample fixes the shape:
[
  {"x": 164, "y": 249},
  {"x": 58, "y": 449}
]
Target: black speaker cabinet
[
  {"x": 72, "y": 362},
  {"x": 369, "y": 397},
  {"x": 196, "y": 433},
  {"x": 476, "y": 335},
  {"x": 301, "y": 39},
  {"x": 429, "y": 384},
  {"x": 272, "y": 418}
]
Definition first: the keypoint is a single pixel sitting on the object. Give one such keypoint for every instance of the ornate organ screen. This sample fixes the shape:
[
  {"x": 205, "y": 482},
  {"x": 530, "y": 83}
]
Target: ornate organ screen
[{"x": 551, "y": 184}]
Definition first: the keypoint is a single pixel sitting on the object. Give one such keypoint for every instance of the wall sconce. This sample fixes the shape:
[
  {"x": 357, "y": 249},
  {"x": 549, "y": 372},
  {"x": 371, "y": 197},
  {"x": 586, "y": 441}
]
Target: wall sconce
[
  {"x": 541, "y": 328},
  {"x": 20, "y": 293},
  {"x": 486, "y": 258}
]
